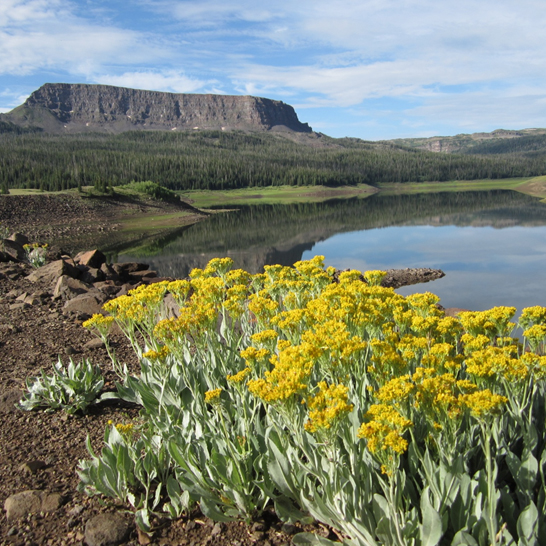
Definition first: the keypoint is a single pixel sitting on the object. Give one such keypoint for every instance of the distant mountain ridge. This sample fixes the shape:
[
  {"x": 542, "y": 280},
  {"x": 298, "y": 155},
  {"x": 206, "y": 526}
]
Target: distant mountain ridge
[
  {"x": 76, "y": 108},
  {"x": 469, "y": 143}
]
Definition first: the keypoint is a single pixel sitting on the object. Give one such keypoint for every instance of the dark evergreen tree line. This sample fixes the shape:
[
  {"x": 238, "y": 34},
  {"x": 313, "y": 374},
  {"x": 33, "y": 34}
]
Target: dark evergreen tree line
[{"x": 217, "y": 160}]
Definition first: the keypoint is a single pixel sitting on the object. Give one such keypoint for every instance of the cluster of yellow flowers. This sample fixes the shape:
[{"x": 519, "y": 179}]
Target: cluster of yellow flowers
[
  {"x": 213, "y": 396},
  {"x": 126, "y": 429},
  {"x": 327, "y": 407},
  {"x": 31, "y": 246},
  {"x": 329, "y": 346},
  {"x": 291, "y": 371},
  {"x": 156, "y": 355},
  {"x": 101, "y": 322},
  {"x": 384, "y": 429}
]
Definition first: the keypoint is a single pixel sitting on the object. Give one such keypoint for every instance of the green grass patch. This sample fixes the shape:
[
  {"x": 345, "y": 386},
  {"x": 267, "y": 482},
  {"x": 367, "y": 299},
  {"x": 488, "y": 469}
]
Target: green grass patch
[
  {"x": 25, "y": 191},
  {"x": 453, "y": 186},
  {"x": 150, "y": 189},
  {"x": 271, "y": 195},
  {"x": 535, "y": 187},
  {"x": 146, "y": 223}
]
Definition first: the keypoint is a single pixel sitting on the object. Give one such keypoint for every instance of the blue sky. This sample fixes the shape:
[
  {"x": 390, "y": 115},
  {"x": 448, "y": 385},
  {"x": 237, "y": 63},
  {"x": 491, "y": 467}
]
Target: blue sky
[{"x": 373, "y": 69}]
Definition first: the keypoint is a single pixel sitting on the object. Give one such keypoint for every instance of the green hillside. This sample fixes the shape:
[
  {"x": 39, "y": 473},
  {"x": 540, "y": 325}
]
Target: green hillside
[{"x": 218, "y": 160}]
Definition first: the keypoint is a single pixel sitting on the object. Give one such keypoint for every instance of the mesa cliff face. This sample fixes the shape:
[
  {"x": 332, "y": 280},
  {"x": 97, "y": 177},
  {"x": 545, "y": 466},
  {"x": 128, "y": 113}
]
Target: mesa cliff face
[{"x": 82, "y": 107}]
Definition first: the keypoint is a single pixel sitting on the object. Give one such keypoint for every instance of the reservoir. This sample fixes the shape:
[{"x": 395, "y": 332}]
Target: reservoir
[{"x": 491, "y": 244}]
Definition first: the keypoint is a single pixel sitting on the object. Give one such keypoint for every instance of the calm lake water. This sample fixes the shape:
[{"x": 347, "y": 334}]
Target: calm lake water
[{"x": 491, "y": 245}]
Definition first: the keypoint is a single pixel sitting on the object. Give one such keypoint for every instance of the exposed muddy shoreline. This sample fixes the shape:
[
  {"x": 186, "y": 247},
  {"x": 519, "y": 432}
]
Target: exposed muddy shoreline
[{"x": 76, "y": 222}]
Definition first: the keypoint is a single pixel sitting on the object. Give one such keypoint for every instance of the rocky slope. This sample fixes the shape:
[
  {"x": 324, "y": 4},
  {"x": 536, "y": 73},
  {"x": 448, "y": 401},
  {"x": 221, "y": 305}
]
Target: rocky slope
[
  {"x": 464, "y": 142},
  {"x": 73, "y": 108}
]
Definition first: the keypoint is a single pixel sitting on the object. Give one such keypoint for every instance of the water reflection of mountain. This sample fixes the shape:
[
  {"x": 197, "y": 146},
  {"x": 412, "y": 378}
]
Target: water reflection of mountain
[{"x": 264, "y": 234}]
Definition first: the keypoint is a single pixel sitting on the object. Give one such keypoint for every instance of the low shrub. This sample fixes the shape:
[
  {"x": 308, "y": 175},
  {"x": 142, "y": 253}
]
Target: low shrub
[
  {"x": 154, "y": 190},
  {"x": 71, "y": 389}
]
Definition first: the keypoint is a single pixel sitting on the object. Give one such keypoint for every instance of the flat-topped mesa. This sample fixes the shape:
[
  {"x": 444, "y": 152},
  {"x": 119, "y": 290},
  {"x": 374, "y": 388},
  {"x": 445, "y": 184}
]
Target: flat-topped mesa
[{"x": 81, "y": 107}]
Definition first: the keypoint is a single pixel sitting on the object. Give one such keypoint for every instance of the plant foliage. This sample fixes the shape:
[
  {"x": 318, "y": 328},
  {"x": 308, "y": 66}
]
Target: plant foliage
[
  {"x": 371, "y": 412},
  {"x": 72, "y": 388}
]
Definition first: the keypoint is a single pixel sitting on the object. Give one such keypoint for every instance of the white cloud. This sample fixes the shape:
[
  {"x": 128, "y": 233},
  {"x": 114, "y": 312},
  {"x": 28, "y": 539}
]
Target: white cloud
[
  {"x": 170, "y": 80},
  {"x": 38, "y": 35},
  {"x": 207, "y": 13}
]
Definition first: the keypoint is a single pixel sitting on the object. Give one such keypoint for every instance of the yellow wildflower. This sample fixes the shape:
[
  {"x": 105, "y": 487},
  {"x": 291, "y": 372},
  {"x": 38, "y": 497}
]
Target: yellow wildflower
[
  {"x": 483, "y": 403},
  {"x": 252, "y": 355},
  {"x": 384, "y": 429},
  {"x": 264, "y": 337},
  {"x": 327, "y": 407},
  {"x": 374, "y": 277},
  {"x": 535, "y": 335},
  {"x": 125, "y": 428},
  {"x": 397, "y": 390},
  {"x": 213, "y": 396},
  {"x": 100, "y": 322},
  {"x": 289, "y": 376},
  {"x": 239, "y": 377},
  {"x": 532, "y": 315},
  {"x": 156, "y": 355}
]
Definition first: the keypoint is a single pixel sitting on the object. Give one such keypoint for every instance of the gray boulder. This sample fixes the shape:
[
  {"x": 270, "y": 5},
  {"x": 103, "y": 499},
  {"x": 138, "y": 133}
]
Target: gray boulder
[
  {"x": 67, "y": 288},
  {"x": 21, "y": 504},
  {"x": 51, "y": 272},
  {"x": 108, "y": 529}
]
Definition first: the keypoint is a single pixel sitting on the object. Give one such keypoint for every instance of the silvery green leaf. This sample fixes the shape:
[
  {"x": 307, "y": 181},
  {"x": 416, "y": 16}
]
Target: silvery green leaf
[
  {"x": 510, "y": 510},
  {"x": 384, "y": 530},
  {"x": 243, "y": 503},
  {"x": 431, "y": 527},
  {"x": 157, "y": 496},
  {"x": 312, "y": 539},
  {"x": 528, "y": 526},
  {"x": 380, "y": 507},
  {"x": 287, "y": 511},
  {"x": 142, "y": 519},
  {"x": 109, "y": 396},
  {"x": 462, "y": 538},
  {"x": 282, "y": 482},
  {"x": 210, "y": 509},
  {"x": 131, "y": 499}
]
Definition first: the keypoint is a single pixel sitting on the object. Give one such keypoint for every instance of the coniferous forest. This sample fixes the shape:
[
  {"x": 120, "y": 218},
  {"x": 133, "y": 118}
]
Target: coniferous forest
[{"x": 217, "y": 160}]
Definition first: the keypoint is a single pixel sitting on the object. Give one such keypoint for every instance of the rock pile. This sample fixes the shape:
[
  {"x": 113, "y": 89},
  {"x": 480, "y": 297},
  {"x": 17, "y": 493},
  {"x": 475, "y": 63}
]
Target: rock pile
[{"x": 83, "y": 282}]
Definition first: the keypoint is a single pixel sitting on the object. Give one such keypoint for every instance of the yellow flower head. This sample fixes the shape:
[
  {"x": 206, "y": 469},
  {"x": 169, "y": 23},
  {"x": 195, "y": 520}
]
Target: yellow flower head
[
  {"x": 384, "y": 429},
  {"x": 532, "y": 315},
  {"x": 213, "y": 396},
  {"x": 327, "y": 407},
  {"x": 100, "y": 322},
  {"x": 265, "y": 337},
  {"x": 239, "y": 377},
  {"x": 483, "y": 403},
  {"x": 374, "y": 277},
  {"x": 157, "y": 355}
]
